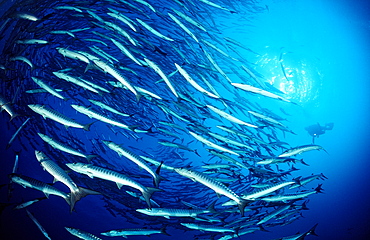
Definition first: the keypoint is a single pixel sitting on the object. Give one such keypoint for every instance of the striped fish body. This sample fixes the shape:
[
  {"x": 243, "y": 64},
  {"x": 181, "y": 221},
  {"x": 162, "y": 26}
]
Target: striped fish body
[
  {"x": 134, "y": 158},
  {"x": 300, "y": 149},
  {"x": 62, "y": 147},
  {"x": 131, "y": 232},
  {"x": 47, "y": 189},
  {"x": 56, "y": 116},
  {"x": 172, "y": 212},
  {"x": 210, "y": 228},
  {"x": 57, "y": 172},
  {"x": 216, "y": 186},
  {"x": 82, "y": 234},
  {"x": 265, "y": 191},
  {"x": 109, "y": 175},
  {"x": 92, "y": 114}
]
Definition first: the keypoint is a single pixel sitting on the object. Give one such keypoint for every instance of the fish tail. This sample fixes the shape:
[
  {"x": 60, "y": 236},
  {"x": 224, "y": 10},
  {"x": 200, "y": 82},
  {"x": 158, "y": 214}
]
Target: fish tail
[
  {"x": 14, "y": 116},
  {"x": 242, "y": 204},
  {"x": 89, "y": 157},
  {"x": 133, "y": 127},
  {"x": 147, "y": 193},
  {"x": 163, "y": 230},
  {"x": 158, "y": 178},
  {"x": 87, "y": 126},
  {"x": 138, "y": 96},
  {"x": 77, "y": 195},
  {"x": 211, "y": 207},
  {"x": 312, "y": 230}
]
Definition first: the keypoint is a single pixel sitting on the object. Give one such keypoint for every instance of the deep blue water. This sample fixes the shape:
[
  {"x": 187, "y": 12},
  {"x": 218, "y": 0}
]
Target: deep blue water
[{"x": 323, "y": 47}]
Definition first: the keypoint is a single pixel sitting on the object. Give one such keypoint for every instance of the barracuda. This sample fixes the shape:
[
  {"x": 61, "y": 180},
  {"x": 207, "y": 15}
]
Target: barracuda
[
  {"x": 74, "y": 80},
  {"x": 62, "y": 147},
  {"x": 209, "y": 228},
  {"x": 152, "y": 30},
  {"x": 134, "y": 158},
  {"x": 273, "y": 214},
  {"x": 125, "y": 51},
  {"x": 60, "y": 175},
  {"x": 49, "y": 89},
  {"x": 259, "y": 91},
  {"x": 193, "y": 83},
  {"x": 23, "y": 59},
  {"x": 211, "y": 144},
  {"x": 178, "y": 22},
  {"x": 300, "y": 149},
  {"x": 92, "y": 114},
  {"x": 58, "y": 117},
  {"x": 109, "y": 175},
  {"x": 264, "y": 191},
  {"x": 106, "y": 107},
  {"x": 216, "y": 186},
  {"x": 287, "y": 197},
  {"x": 174, "y": 212},
  {"x": 81, "y": 234},
  {"x": 123, "y": 19},
  {"x": 47, "y": 189},
  {"x": 163, "y": 76},
  {"x": 229, "y": 117},
  {"x": 133, "y": 232},
  {"x": 113, "y": 72}
]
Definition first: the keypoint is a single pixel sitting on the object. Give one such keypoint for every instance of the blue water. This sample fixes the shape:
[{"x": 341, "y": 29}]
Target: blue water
[{"x": 323, "y": 47}]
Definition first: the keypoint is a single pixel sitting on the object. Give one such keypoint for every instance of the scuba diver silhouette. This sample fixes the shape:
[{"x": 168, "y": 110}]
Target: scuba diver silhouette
[{"x": 316, "y": 130}]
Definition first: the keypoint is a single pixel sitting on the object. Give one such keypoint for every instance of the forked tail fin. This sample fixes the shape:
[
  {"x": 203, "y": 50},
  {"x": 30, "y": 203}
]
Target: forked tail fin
[
  {"x": 147, "y": 193},
  {"x": 77, "y": 195}
]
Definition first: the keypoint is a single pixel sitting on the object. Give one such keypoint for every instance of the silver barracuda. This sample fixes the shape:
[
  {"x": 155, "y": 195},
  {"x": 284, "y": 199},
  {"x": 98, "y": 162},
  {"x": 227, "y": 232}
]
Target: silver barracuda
[
  {"x": 114, "y": 73},
  {"x": 152, "y": 30},
  {"x": 72, "y": 54},
  {"x": 74, "y": 80},
  {"x": 58, "y": 117},
  {"x": 92, "y": 114},
  {"x": 259, "y": 91},
  {"x": 216, "y": 186},
  {"x": 300, "y": 149},
  {"x": 38, "y": 225},
  {"x": 29, "y": 203},
  {"x": 273, "y": 214},
  {"x": 287, "y": 197},
  {"x": 211, "y": 144},
  {"x": 178, "y": 22},
  {"x": 133, "y": 232},
  {"x": 81, "y": 234},
  {"x": 193, "y": 83},
  {"x": 109, "y": 175},
  {"x": 7, "y": 106},
  {"x": 265, "y": 118},
  {"x": 47, "y": 189},
  {"x": 106, "y": 107},
  {"x": 174, "y": 212},
  {"x": 123, "y": 19},
  {"x": 163, "y": 76},
  {"x": 65, "y": 148},
  {"x": 190, "y": 20},
  {"x": 23, "y": 59},
  {"x": 126, "y": 51},
  {"x": 264, "y": 191},
  {"x": 48, "y": 88},
  {"x": 209, "y": 228},
  {"x": 31, "y": 41},
  {"x": 230, "y": 117},
  {"x": 60, "y": 175},
  {"x": 134, "y": 158}
]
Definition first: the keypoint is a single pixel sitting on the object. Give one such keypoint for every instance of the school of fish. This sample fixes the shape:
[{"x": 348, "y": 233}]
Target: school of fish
[{"x": 154, "y": 110}]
